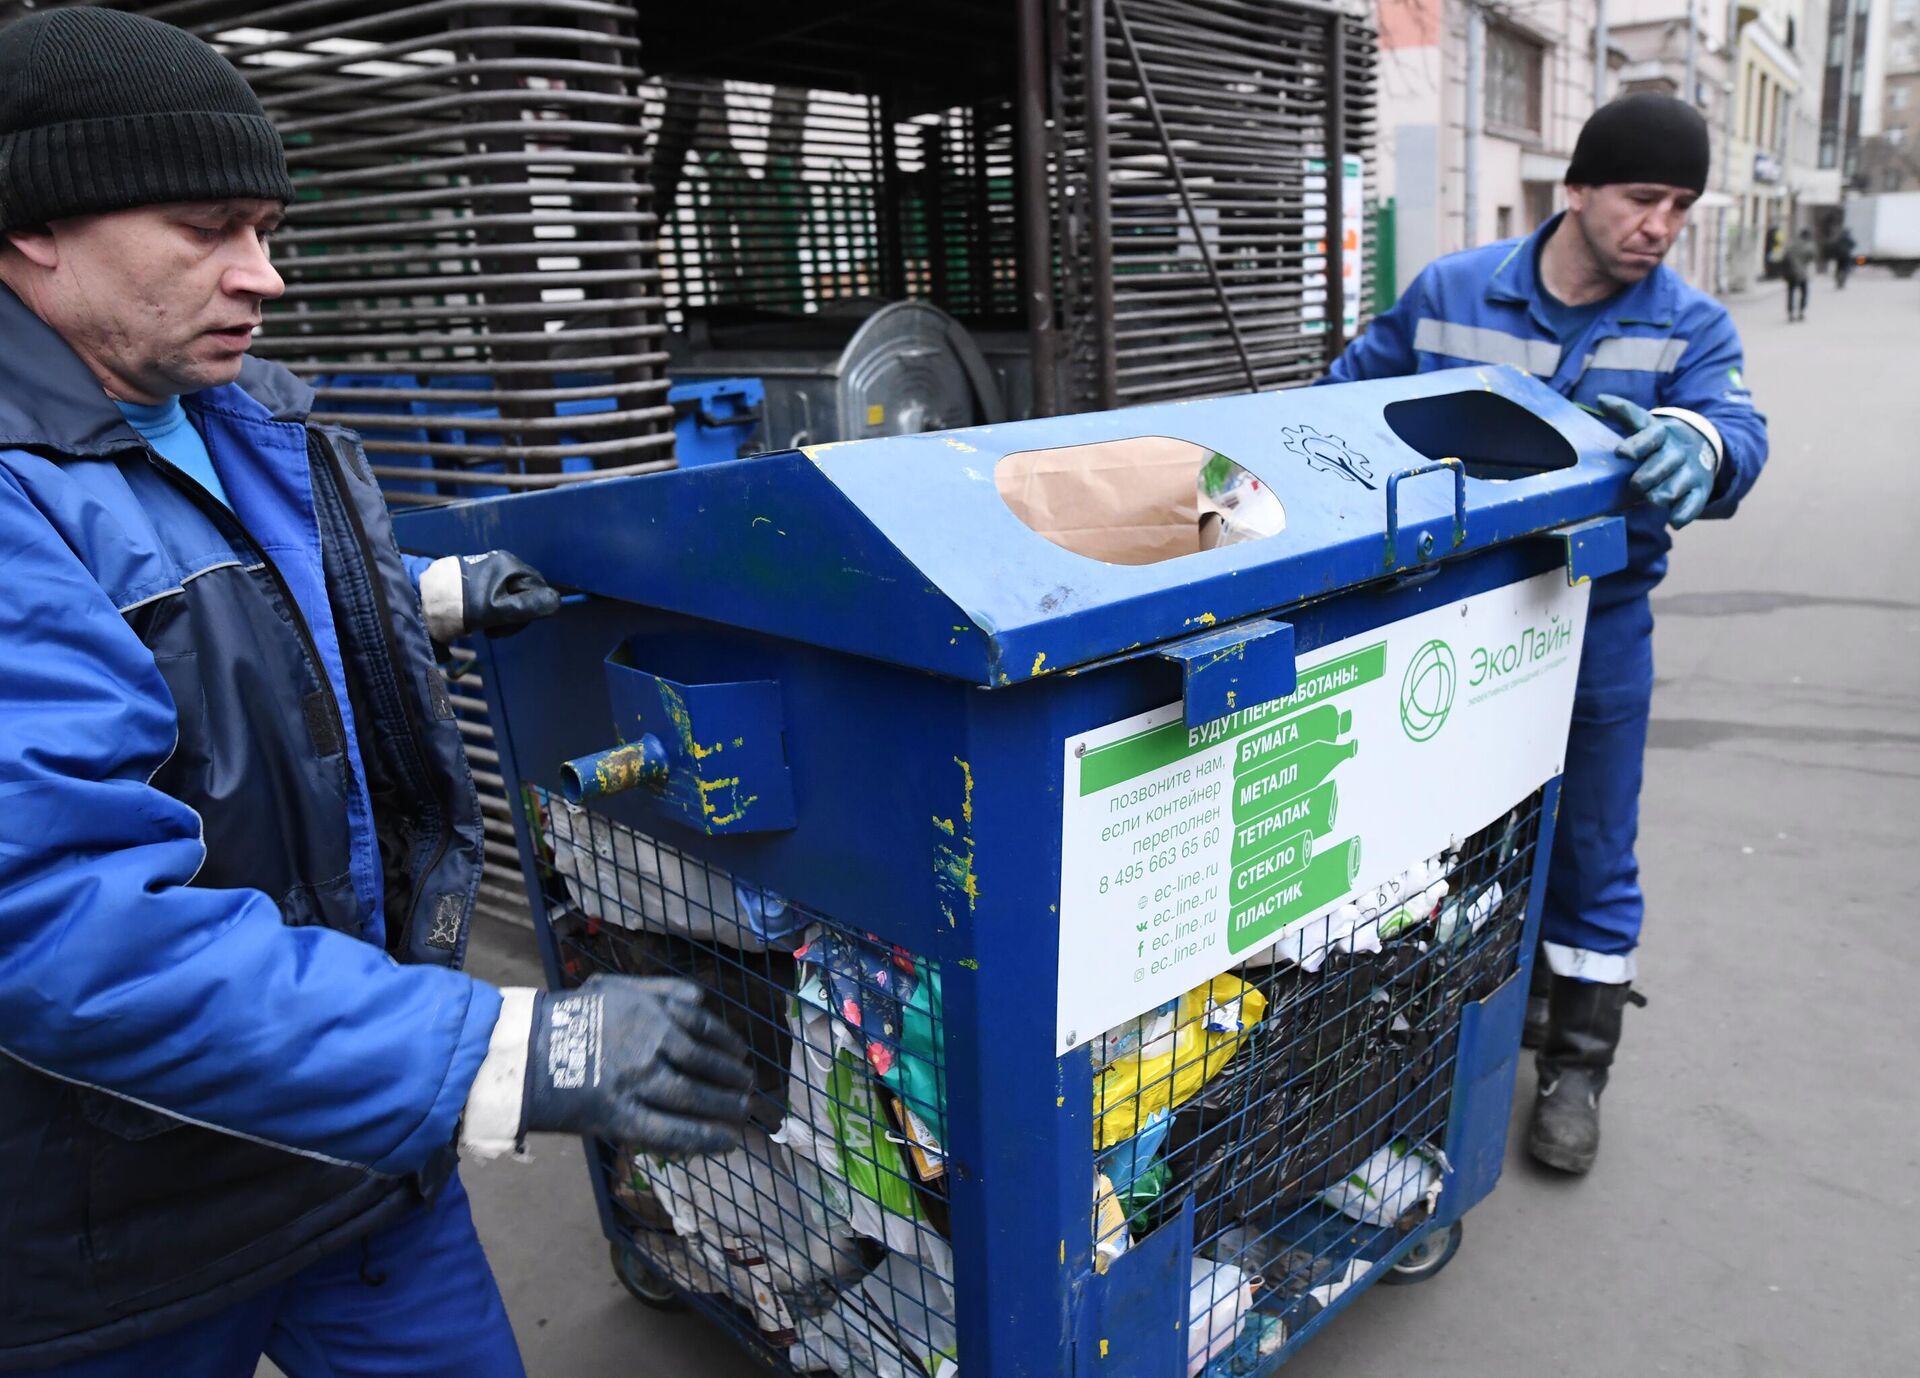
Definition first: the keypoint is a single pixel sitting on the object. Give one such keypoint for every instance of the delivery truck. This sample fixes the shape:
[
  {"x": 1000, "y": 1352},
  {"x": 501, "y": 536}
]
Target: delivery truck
[{"x": 1886, "y": 230}]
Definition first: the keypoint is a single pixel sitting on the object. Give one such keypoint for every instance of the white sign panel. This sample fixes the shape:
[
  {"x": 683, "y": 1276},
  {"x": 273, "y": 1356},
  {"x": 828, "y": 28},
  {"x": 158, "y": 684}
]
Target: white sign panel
[{"x": 1183, "y": 852}]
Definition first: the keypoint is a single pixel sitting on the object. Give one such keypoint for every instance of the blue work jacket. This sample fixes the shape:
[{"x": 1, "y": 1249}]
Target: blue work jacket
[
  {"x": 239, "y": 846},
  {"x": 1660, "y": 343}
]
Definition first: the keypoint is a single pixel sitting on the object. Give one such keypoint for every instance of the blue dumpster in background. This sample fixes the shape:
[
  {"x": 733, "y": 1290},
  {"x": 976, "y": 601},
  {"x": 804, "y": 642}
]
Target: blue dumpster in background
[{"x": 1127, "y": 888}]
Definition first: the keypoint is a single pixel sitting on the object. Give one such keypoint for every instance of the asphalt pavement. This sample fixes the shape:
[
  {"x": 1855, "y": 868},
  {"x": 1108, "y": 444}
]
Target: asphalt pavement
[{"x": 1756, "y": 1206}]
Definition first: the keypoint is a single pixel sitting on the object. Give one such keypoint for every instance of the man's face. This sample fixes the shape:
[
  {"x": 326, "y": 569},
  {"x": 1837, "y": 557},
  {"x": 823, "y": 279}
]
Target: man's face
[
  {"x": 161, "y": 300},
  {"x": 1629, "y": 226}
]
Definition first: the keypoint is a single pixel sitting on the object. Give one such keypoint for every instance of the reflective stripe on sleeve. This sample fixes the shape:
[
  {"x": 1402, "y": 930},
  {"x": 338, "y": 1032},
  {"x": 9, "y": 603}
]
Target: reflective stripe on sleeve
[
  {"x": 1638, "y": 354},
  {"x": 1483, "y": 345}
]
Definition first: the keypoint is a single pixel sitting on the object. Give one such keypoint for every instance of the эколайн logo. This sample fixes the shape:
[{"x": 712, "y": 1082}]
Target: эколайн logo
[{"x": 1426, "y": 694}]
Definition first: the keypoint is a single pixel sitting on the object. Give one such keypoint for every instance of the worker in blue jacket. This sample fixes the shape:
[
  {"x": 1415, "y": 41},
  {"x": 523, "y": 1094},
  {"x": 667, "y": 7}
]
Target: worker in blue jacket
[
  {"x": 1585, "y": 304},
  {"x": 238, "y": 840}
]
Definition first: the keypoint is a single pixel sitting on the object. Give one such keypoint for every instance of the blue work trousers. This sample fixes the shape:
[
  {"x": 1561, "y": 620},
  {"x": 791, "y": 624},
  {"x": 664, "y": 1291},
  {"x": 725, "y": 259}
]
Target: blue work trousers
[
  {"x": 415, "y": 1300},
  {"x": 1594, "y": 907}
]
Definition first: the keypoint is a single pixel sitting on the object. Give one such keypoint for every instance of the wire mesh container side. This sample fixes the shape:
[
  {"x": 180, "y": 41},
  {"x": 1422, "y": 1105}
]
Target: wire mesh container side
[
  {"x": 823, "y": 1238},
  {"x": 1301, "y": 1102}
]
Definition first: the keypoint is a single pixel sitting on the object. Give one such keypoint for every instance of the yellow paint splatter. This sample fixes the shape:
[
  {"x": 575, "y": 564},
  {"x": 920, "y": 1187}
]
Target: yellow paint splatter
[
  {"x": 970, "y": 963},
  {"x": 945, "y": 825},
  {"x": 966, "y": 802},
  {"x": 740, "y": 804},
  {"x": 676, "y": 707},
  {"x": 960, "y": 445},
  {"x": 1205, "y": 619},
  {"x": 1038, "y": 661},
  {"x": 1103, "y": 1349}
]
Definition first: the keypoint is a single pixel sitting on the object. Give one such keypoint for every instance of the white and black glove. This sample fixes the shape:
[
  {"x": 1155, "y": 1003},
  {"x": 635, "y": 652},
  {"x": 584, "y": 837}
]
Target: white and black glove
[
  {"x": 497, "y": 592},
  {"x": 633, "y": 1059}
]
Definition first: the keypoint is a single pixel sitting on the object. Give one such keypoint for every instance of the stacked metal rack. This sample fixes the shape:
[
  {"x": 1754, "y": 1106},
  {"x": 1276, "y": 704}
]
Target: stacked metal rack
[
  {"x": 472, "y": 183},
  {"x": 1194, "y": 159},
  {"x": 505, "y": 208}
]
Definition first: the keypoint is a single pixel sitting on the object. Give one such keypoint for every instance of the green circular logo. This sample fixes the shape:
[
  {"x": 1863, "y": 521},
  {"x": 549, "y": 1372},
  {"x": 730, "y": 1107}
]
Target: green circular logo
[{"x": 1426, "y": 694}]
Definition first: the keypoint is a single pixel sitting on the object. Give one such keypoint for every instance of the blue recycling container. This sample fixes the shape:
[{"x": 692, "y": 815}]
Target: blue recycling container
[{"x": 1120, "y": 839}]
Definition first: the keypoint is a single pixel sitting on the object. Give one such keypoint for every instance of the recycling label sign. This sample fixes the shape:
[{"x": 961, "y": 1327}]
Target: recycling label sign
[{"x": 1186, "y": 850}]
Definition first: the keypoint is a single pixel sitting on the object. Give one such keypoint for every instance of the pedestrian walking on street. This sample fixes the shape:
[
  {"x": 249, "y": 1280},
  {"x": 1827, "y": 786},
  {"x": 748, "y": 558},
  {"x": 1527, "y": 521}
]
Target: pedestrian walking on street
[
  {"x": 1844, "y": 248},
  {"x": 1798, "y": 263},
  {"x": 1586, "y": 304},
  {"x": 239, "y": 842}
]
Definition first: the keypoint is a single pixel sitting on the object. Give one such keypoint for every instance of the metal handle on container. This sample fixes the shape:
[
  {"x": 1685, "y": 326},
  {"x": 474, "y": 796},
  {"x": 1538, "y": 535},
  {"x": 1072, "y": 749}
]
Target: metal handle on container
[
  {"x": 615, "y": 770},
  {"x": 1459, "y": 506}
]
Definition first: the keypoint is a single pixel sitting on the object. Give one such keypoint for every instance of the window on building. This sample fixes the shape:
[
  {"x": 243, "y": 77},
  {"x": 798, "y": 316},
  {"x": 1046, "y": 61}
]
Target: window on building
[
  {"x": 1897, "y": 98},
  {"x": 1829, "y": 152},
  {"x": 1793, "y": 33},
  {"x": 1836, "y": 50},
  {"x": 1539, "y": 202},
  {"x": 1503, "y": 222},
  {"x": 1514, "y": 64}
]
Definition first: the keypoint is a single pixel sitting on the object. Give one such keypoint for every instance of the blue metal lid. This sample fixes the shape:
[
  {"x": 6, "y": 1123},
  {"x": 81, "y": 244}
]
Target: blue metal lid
[{"x": 903, "y": 548}]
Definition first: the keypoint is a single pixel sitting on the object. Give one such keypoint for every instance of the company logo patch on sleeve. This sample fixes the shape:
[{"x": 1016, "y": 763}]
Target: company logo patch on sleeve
[{"x": 445, "y": 932}]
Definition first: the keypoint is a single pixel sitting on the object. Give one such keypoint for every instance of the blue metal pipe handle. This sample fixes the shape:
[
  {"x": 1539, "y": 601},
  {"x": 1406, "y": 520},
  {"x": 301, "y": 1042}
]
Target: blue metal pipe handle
[
  {"x": 1459, "y": 506},
  {"x": 615, "y": 770}
]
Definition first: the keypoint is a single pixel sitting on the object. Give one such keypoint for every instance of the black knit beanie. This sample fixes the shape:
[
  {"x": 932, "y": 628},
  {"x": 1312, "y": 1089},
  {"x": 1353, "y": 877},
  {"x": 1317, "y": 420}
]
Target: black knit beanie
[
  {"x": 1644, "y": 138},
  {"x": 103, "y": 111}
]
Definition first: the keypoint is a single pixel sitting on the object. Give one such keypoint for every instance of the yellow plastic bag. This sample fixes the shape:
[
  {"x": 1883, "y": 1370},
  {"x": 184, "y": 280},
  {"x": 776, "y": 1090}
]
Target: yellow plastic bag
[{"x": 1137, "y": 1087}]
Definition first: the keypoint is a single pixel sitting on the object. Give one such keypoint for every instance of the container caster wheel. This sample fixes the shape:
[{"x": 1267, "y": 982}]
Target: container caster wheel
[
  {"x": 649, "y": 1286},
  {"x": 1434, "y": 1252}
]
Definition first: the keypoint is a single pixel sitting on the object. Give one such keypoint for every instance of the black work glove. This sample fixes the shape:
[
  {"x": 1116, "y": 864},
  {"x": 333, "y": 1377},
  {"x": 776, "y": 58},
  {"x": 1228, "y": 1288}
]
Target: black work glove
[
  {"x": 638, "y": 1060},
  {"x": 497, "y": 592}
]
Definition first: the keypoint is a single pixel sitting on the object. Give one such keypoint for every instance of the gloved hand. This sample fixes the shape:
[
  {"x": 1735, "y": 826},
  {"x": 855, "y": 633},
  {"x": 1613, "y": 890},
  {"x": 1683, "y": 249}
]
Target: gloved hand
[
  {"x": 497, "y": 592},
  {"x": 1676, "y": 461},
  {"x": 638, "y": 1060}
]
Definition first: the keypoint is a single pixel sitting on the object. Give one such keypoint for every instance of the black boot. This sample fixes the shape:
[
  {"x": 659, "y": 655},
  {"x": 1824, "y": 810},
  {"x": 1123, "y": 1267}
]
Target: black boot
[
  {"x": 1583, "y": 1031},
  {"x": 1534, "y": 1032}
]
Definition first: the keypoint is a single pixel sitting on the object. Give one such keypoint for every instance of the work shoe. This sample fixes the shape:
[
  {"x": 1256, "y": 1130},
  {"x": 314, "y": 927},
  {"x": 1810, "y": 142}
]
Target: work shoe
[
  {"x": 1583, "y": 1030},
  {"x": 1534, "y": 1032}
]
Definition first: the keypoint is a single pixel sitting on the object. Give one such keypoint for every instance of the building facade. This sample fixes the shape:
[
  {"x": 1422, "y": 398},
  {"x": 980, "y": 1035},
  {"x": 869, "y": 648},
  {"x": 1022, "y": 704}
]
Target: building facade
[
  {"x": 1653, "y": 52},
  {"x": 1889, "y": 160},
  {"x": 1467, "y": 171},
  {"x": 1858, "y": 52}
]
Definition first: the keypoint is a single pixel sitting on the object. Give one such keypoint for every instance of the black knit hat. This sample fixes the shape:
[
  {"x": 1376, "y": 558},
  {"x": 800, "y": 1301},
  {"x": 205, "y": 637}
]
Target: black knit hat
[
  {"x": 1644, "y": 138},
  {"x": 102, "y": 111}
]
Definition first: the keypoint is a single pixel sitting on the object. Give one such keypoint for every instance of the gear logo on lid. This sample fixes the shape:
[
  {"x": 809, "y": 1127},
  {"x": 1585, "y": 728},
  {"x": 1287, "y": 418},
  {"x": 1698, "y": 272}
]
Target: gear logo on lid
[
  {"x": 1328, "y": 454},
  {"x": 1426, "y": 694}
]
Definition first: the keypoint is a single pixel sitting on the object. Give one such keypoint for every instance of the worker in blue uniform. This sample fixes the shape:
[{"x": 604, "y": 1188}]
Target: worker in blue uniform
[
  {"x": 1585, "y": 304},
  {"x": 239, "y": 843}
]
